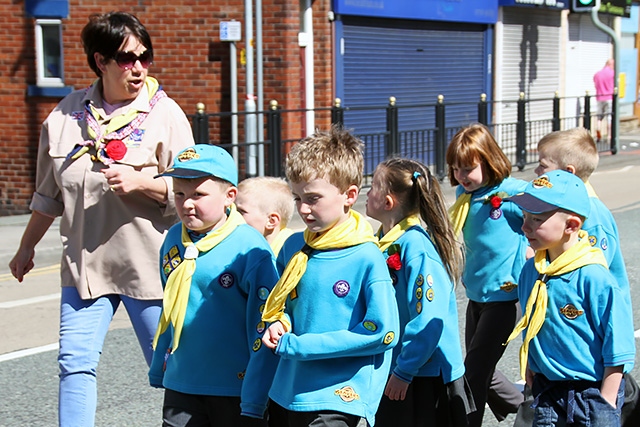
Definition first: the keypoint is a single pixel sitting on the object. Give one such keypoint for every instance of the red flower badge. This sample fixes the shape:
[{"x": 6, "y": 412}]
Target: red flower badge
[
  {"x": 115, "y": 149},
  {"x": 495, "y": 201},
  {"x": 394, "y": 262}
]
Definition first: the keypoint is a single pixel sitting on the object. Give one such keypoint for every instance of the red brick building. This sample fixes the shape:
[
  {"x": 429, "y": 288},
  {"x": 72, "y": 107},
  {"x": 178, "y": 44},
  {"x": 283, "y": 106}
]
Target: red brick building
[{"x": 191, "y": 63}]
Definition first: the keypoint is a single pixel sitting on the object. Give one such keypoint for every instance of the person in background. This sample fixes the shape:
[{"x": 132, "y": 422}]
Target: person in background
[
  {"x": 427, "y": 384},
  {"x": 99, "y": 151},
  {"x": 266, "y": 203},
  {"x": 496, "y": 250},
  {"x": 604, "y": 83}
]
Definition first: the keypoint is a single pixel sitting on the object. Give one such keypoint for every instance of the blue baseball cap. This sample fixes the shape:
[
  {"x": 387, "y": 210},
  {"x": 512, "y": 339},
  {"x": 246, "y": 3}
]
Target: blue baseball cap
[
  {"x": 557, "y": 189},
  {"x": 202, "y": 160}
]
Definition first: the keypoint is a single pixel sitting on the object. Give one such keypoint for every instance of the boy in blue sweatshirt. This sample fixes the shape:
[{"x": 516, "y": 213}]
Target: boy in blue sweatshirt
[
  {"x": 333, "y": 312},
  {"x": 217, "y": 272},
  {"x": 577, "y": 325}
]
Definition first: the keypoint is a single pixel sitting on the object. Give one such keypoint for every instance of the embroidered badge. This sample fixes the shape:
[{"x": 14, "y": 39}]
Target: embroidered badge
[
  {"x": 495, "y": 213},
  {"x": 171, "y": 260},
  {"x": 260, "y": 328},
  {"x": 188, "y": 154},
  {"x": 347, "y": 394},
  {"x": 593, "y": 240},
  {"x": 77, "y": 115},
  {"x": 173, "y": 251},
  {"x": 261, "y": 308},
  {"x": 419, "y": 280},
  {"x": 430, "y": 294},
  {"x": 571, "y": 312},
  {"x": 508, "y": 286},
  {"x": 542, "y": 181},
  {"x": 419, "y": 307},
  {"x": 388, "y": 339},
  {"x": 370, "y": 326},
  {"x": 419, "y": 293},
  {"x": 257, "y": 344},
  {"x": 603, "y": 244},
  {"x": 429, "y": 280},
  {"x": 226, "y": 280},
  {"x": 136, "y": 135},
  {"x": 341, "y": 288},
  {"x": 263, "y": 293}
]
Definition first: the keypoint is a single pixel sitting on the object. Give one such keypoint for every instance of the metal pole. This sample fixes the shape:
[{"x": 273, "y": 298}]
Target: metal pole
[
  {"x": 250, "y": 99},
  {"x": 306, "y": 41},
  {"x": 260, "y": 87},
  {"x": 615, "y": 119},
  {"x": 234, "y": 100}
]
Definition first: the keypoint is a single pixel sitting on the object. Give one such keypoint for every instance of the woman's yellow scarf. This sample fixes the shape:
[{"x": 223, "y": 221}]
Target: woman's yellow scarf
[
  {"x": 176, "y": 291},
  {"x": 354, "y": 231},
  {"x": 458, "y": 212},
  {"x": 577, "y": 256},
  {"x": 396, "y": 232}
]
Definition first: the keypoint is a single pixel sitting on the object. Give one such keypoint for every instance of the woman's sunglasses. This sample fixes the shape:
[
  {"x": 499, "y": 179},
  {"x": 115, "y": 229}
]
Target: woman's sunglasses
[{"x": 126, "y": 60}]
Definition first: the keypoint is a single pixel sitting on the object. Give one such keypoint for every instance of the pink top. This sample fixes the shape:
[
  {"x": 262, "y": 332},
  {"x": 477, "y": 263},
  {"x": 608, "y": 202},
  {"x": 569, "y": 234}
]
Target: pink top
[{"x": 603, "y": 80}]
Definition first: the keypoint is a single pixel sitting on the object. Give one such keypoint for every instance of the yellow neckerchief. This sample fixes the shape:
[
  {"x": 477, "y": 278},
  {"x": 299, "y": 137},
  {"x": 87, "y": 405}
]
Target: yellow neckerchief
[
  {"x": 396, "y": 232},
  {"x": 176, "y": 291},
  {"x": 590, "y": 190},
  {"x": 459, "y": 211},
  {"x": 577, "y": 256},
  {"x": 282, "y": 236},
  {"x": 152, "y": 87},
  {"x": 354, "y": 231}
]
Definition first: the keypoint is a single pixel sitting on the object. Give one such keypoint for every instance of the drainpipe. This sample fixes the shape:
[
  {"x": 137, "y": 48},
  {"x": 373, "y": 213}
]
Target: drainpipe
[
  {"x": 305, "y": 40},
  {"x": 250, "y": 99},
  {"x": 260, "y": 86},
  {"x": 615, "y": 125}
]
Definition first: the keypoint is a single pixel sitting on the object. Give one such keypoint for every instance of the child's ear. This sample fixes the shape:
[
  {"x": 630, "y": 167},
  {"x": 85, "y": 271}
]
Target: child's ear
[
  {"x": 273, "y": 221},
  {"x": 571, "y": 169},
  {"x": 230, "y": 195},
  {"x": 573, "y": 224},
  {"x": 352, "y": 195},
  {"x": 389, "y": 202}
]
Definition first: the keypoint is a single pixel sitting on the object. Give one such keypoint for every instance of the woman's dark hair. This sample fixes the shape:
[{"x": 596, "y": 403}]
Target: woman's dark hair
[{"x": 105, "y": 33}]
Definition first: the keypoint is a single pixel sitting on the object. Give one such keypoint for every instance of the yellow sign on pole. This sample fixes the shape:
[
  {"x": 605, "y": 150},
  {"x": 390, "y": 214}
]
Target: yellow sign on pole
[{"x": 622, "y": 85}]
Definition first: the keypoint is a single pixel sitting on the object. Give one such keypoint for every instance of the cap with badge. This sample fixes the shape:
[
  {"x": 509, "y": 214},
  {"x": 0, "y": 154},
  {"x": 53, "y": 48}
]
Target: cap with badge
[
  {"x": 557, "y": 189},
  {"x": 203, "y": 160}
]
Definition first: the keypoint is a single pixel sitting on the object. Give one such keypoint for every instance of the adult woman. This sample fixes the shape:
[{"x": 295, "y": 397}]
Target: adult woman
[{"x": 99, "y": 151}]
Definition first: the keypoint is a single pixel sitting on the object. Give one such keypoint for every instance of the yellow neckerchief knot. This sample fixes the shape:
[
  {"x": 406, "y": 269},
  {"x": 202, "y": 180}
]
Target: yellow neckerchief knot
[
  {"x": 590, "y": 190},
  {"x": 396, "y": 232},
  {"x": 354, "y": 231},
  {"x": 282, "y": 237},
  {"x": 458, "y": 212},
  {"x": 176, "y": 291},
  {"x": 117, "y": 127},
  {"x": 577, "y": 256}
]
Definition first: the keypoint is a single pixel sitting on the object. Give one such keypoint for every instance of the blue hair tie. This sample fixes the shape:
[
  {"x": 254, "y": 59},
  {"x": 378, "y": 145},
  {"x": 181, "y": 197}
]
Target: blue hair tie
[{"x": 415, "y": 176}]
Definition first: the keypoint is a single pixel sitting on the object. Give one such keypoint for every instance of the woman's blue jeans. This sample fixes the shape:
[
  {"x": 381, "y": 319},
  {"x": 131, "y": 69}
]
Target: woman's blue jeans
[{"x": 83, "y": 327}]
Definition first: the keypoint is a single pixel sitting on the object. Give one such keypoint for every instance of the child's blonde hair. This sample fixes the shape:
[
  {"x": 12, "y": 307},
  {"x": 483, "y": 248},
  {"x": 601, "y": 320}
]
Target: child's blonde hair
[
  {"x": 335, "y": 155},
  {"x": 270, "y": 195},
  {"x": 418, "y": 192},
  {"x": 574, "y": 147},
  {"x": 475, "y": 144}
]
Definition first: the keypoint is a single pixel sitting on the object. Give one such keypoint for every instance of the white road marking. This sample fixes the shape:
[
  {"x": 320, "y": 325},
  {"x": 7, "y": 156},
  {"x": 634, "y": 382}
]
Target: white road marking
[
  {"x": 624, "y": 169},
  {"x": 637, "y": 334},
  {"x": 27, "y": 301},
  {"x": 27, "y": 352}
]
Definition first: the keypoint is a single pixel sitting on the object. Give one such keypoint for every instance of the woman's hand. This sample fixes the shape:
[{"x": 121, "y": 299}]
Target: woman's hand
[
  {"x": 126, "y": 181},
  {"x": 396, "y": 388},
  {"x": 22, "y": 263},
  {"x": 273, "y": 334}
]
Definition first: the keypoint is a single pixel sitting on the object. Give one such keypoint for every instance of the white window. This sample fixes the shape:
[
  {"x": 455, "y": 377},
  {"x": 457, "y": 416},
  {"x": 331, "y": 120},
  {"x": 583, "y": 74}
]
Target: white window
[{"x": 49, "y": 61}]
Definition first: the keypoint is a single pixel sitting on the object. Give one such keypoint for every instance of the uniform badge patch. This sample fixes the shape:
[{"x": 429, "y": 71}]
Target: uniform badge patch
[
  {"x": 370, "y": 326},
  {"x": 341, "y": 288},
  {"x": 419, "y": 307},
  {"x": 260, "y": 328},
  {"x": 388, "y": 339},
  {"x": 226, "y": 280},
  {"x": 430, "y": 294},
  {"x": 571, "y": 312},
  {"x": 77, "y": 115},
  {"x": 263, "y": 293},
  {"x": 257, "y": 344},
  {"x": 429, "y": 280},
  {"x": 170, "y": 261},
  {"x": 419, "y": 280},
  {"x": 347, "y": 394},
  {"x": 508, "y": 286},
  {"x": 495, "y": 213},
  {"x": 137, "y": 135},
  {"x": 593, "y": 240},
  {"x": 419, "y": 293},
  {"x": 603, "y": 244}
]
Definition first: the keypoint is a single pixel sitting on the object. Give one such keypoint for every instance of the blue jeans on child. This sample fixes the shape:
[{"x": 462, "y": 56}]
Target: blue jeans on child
[
  {"x": 83, "y": 327},
  {"x": 573, "y": 403}
]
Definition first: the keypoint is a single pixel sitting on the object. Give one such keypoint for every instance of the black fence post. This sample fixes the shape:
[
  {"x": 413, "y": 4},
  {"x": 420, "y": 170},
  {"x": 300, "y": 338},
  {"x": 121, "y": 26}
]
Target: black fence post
[
  {"x": 200, "y": 125},
  {"x": 274, "y": 134},
  {"x": 521, "y": 134},
  {"x": 614, "y": 123},
  {"x": 393, "y": 146},
  {"x": 337, "y": 113},
  {"x": 586, "y": 118},
  {"x": 441, "y": 138},
  {"x": 555, "y": 122},
  {"x": 483, "y": 110}
]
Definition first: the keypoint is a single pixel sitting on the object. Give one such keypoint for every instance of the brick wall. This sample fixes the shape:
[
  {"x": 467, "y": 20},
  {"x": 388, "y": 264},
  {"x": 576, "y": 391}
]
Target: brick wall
[{"x": 190, "y": 62}]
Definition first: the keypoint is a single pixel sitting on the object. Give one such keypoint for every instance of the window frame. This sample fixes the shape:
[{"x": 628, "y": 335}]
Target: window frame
[{"x": 41, "y": 79}]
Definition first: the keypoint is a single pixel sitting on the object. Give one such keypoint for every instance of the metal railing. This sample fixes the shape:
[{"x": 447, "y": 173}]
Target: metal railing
[{"x": 518, "y": 138}]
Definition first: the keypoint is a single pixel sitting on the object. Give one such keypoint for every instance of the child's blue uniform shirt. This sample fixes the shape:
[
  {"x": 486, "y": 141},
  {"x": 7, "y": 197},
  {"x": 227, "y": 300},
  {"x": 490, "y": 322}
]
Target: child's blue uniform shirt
[
  {"x": 221, "y": 352},
  {"x": 494, "y": 243},
  {"x": 430, "y": 341},
  {"x": 588, "y": 325},
  {"x": 344, "y": 325}
]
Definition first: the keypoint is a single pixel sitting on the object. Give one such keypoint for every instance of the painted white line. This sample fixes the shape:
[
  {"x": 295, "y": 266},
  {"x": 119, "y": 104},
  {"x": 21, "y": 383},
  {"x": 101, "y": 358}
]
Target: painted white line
[
  {"x": 637, "y": 334},
  {"x": 27, "y": 301},
  {"x": 624, "y": 169},
  {"x": 28, "y": 352}
]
